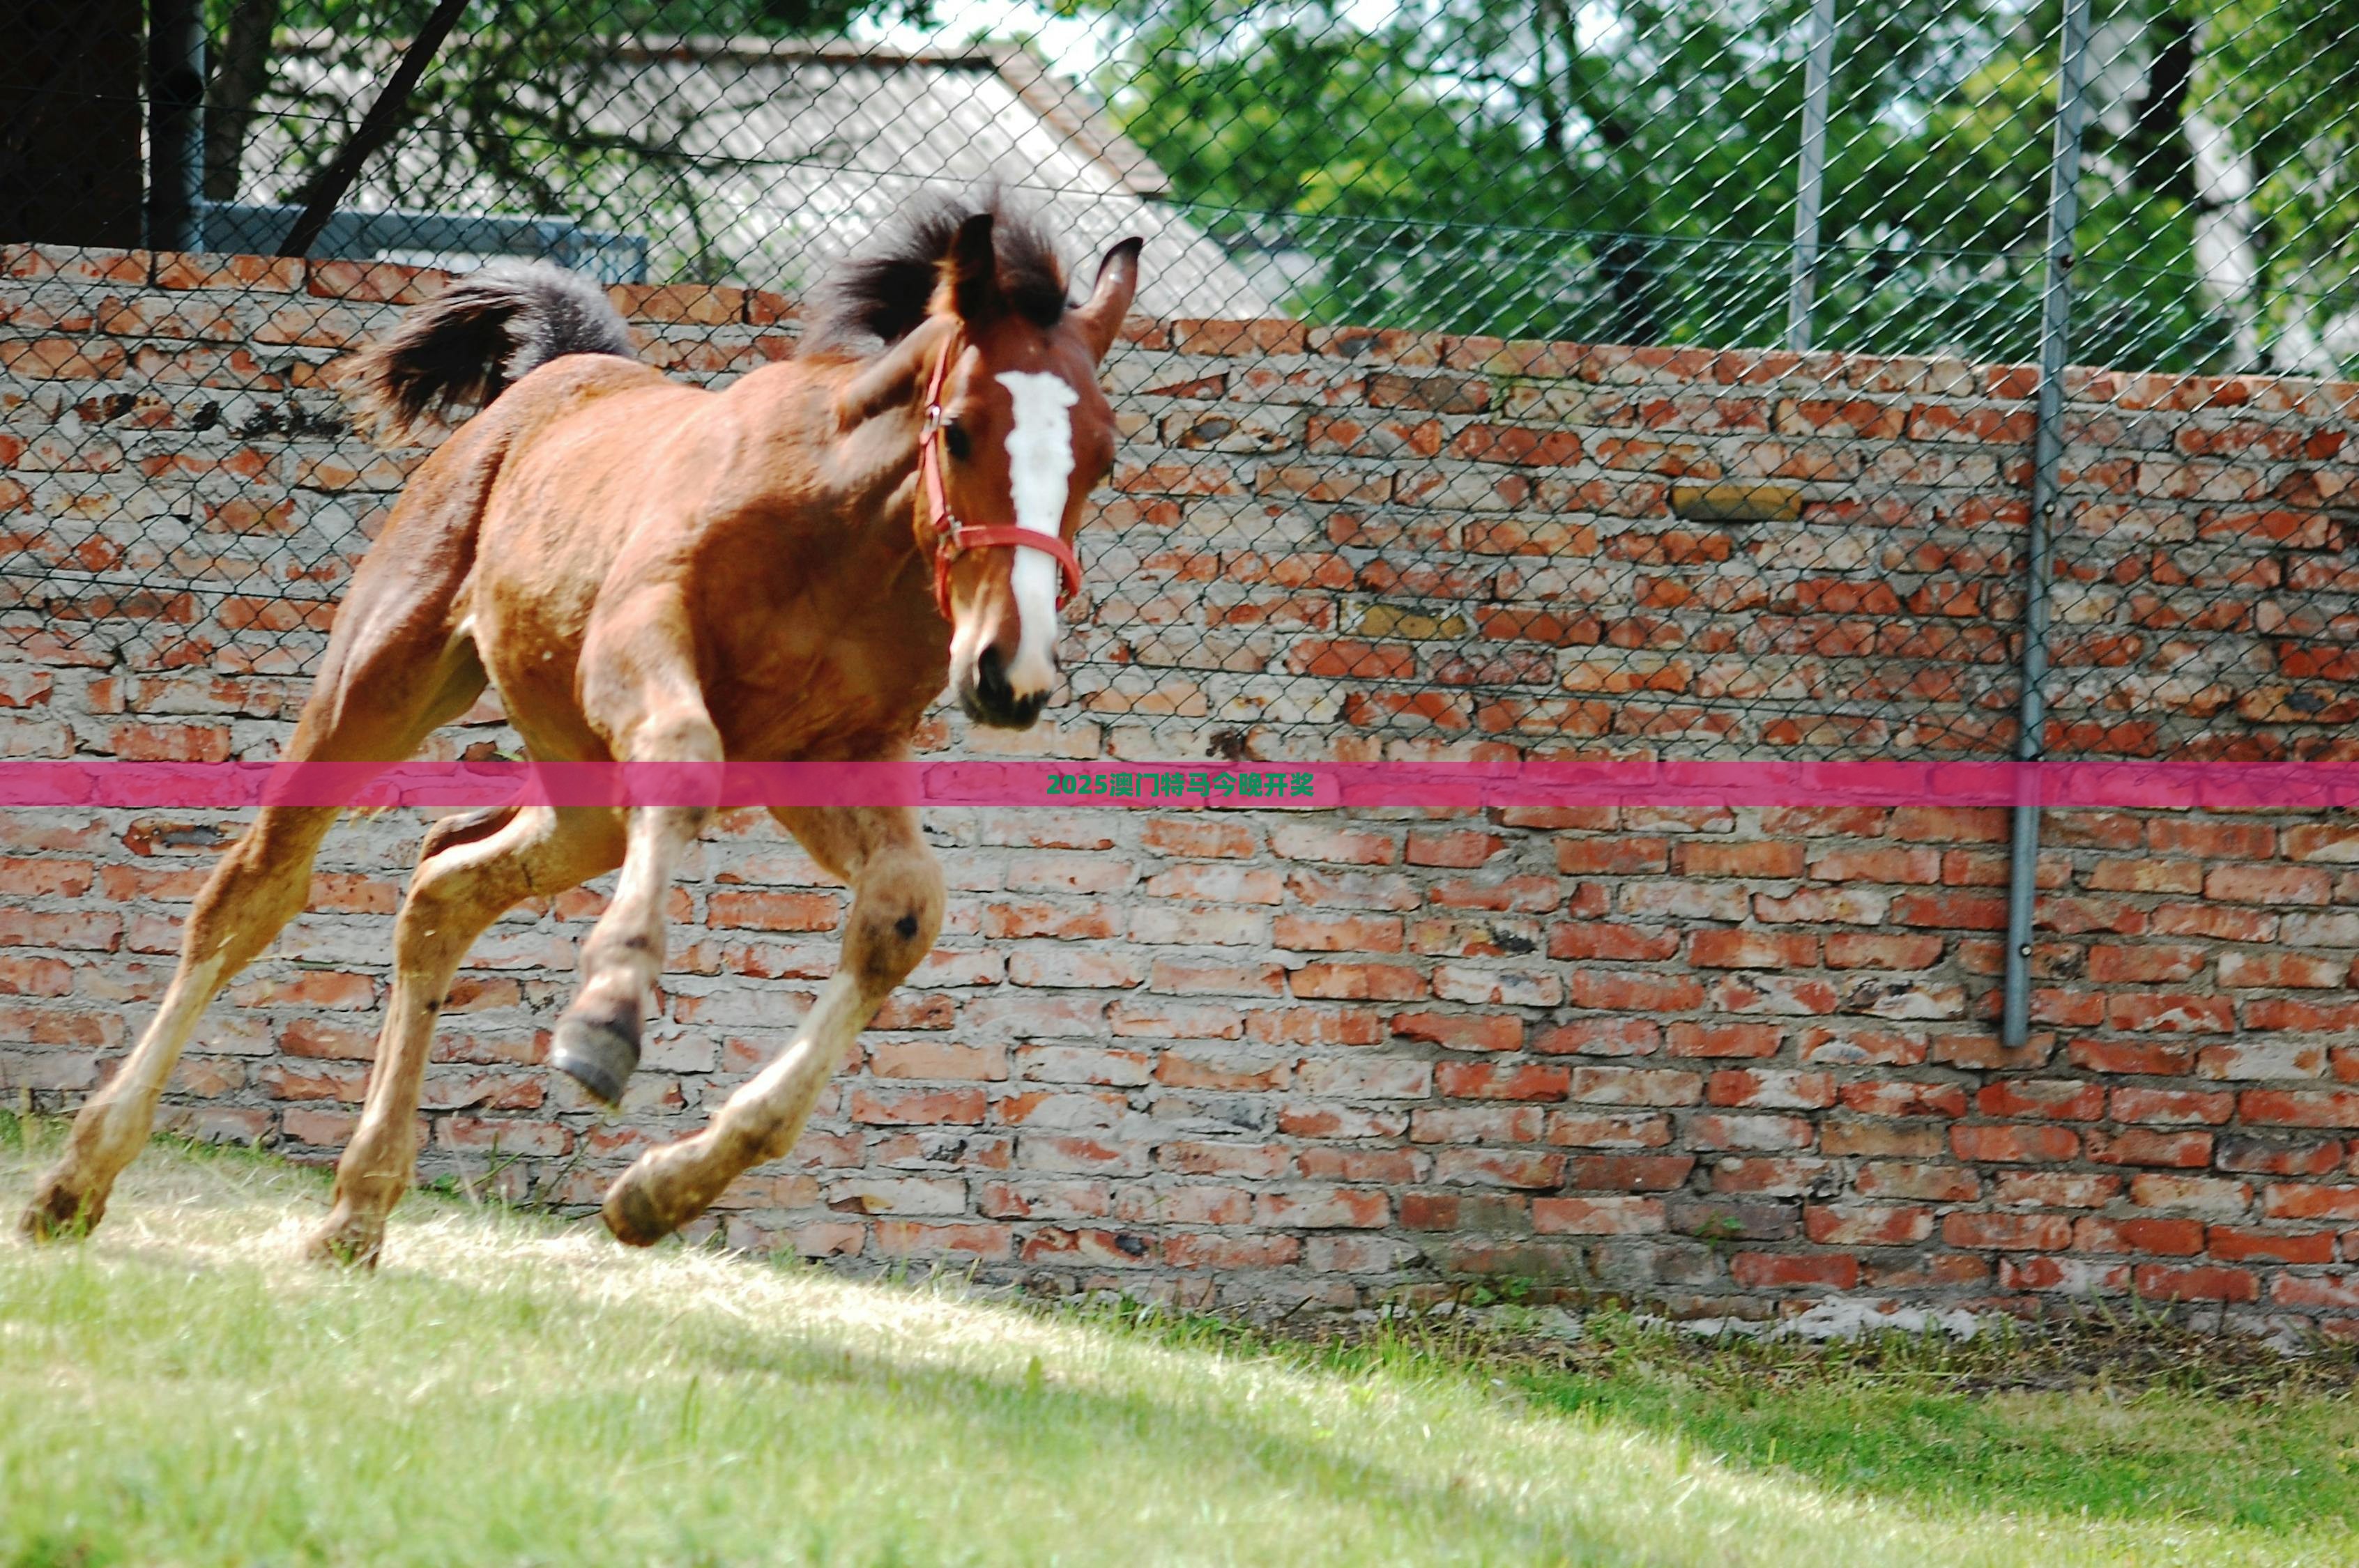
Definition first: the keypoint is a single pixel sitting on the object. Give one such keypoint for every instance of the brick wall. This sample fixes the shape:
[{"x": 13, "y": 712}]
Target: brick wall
[{"x": 1717, "y": 1059}]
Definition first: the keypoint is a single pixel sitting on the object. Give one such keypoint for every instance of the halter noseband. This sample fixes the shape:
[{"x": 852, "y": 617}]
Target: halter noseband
[{"x": 952, "y": 537}]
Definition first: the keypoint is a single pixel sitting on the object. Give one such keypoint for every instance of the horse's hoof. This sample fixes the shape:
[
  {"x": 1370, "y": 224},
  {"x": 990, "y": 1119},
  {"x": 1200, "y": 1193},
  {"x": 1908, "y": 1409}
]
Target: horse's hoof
[
  {"x": 598, "y": 1053},
  {"x": 346, "y": 1242},
  {"x": 59, "y": 1214},
  {"x": 631, "y": 1215}
]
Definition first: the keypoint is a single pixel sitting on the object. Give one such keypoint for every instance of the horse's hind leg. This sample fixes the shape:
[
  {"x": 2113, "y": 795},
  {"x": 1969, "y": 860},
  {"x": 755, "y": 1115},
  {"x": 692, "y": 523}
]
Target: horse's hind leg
[
  {"x": 470, "y": 872},
  {"x": 258, "y": 886},
  {"x": 896, "y": 908},
  {"x": 260, "y": 883}
]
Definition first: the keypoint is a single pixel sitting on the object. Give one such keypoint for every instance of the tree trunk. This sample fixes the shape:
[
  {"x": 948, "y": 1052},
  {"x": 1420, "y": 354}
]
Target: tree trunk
[{"x": 237, "y": 84}]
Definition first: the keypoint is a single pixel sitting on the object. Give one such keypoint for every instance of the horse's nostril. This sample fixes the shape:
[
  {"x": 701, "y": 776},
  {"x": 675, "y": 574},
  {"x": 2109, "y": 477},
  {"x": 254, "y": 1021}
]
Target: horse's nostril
[{"x": 991, "y": 676}]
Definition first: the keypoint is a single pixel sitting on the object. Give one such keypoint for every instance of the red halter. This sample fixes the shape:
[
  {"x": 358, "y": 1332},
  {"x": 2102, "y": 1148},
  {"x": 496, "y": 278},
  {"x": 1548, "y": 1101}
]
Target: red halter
[{"x": 953, "y": 537}]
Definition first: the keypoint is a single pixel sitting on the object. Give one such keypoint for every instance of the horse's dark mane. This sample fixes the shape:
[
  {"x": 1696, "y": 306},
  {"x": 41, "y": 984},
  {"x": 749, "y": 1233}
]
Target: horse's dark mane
[{"x": 879, "y": 296}]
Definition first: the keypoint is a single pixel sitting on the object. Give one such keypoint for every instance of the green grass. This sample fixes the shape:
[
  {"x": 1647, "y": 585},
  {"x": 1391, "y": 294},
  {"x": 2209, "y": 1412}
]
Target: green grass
[{"x": 509, "y": 1388}]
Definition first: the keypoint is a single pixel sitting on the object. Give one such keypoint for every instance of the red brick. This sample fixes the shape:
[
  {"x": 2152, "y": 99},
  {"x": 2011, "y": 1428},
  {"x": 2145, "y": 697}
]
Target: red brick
[
  {"x": 1629, "y": 992},
  {"x": 1189, "y": 835},
  {"x": 2338, "y": 1292},
  {"x": 1077, "y": 967},
  {"x": 1608, "y": 1130},
  {"x": 1190, "y": 976},
  {"x": 916, "y": 1107},
  {"x": 1629, "y": 1172},
  {"x": 773, "y": 911},
  {"x": 2162, "y": 1283},
  {"x": 1341, "y": 846},
  {"x": 1931, "y": 1184},
  {"x": 2268, "y": 884},
  {"x": 1610, "y": 1215},
  {"x": 2213, "y": 840},
  {"x": 1724, "y": 1040},
  {"x": 1866, "y": 1227},
  {"x": 2058, "y": 1099},
  {"x": 1457, "y": 849},
  {"x": 1499, "y": 1167},
  {"x": 2203, "y": 1195},
  {"x": 2281, "y": 1156},
  {"x": 1845, "y": 1046},
  {"x": 2147, "y": 964},
  {"x": 2132, "y": 1056},
  {"x": 1883, "y": 1140},
  {"x": 2289, "y": 1200},
  {"x": 2122, "y": 875},
  {"x": 2169, "y": 1238},
  {"x": 1772, "y": 1091},
  {"x": 2269, "y": 971},
  {"x": 1758, "y": 1132},
  {"x": 2170, "y": 1013},
  {"x": 1635, "y": 1086},
  {"x": 1602, "y": 1037},
  {"x": 2054, "y": 1189},
  {"x": 2172, "y": 1106},
  {"x": 1612, "y": 856},
  {"x": 1323, "y": 1208},
  {"x": 2047, "y": 1271},
  {"x": 2012, "y": 1232},
  {"x": 1767, "y": 859},
  {"x": 1767, "y": 1270},
  {"x": 1462, "y": 1031},
  {"x": 1498, "y": 1080},
  {"x": 2234, "y": 1245},
  {"x": 2301, "y": 1107},
  {"x": 1358, "y": 982},
  {"x": 2039, "y": 1145},
  {"x": 1477, "y": 1124},
  {"x": 1882, "y": 950},
  {"x": 1770, "y": 1175},
  {"x": 911, "y": 1239},
  {"x": 1969, "y": 912},
  {"x": 1338, "y": 932},
  {"x": 2179, "y": 1151},
  {"x": 1368, "y": 1077},
  {"x": 1878, "y": 864},
  {"x": 1726, "y": 948},
  {"x": 1901, "y": 1097},
  {"x": 1590, "y": 939}
]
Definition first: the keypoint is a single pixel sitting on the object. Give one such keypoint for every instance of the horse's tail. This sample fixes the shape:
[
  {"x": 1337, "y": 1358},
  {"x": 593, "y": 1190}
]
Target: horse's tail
[{"x": 470, "y": 341}]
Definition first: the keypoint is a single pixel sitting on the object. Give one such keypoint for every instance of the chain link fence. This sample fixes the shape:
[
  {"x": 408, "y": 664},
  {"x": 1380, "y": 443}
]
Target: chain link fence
[{"x": 1834, "y": 209}]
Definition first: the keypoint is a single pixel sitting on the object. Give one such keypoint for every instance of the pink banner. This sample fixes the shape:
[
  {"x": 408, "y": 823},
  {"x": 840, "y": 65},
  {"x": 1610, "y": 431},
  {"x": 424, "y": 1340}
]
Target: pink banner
[{"x": 1282, "y": 786}]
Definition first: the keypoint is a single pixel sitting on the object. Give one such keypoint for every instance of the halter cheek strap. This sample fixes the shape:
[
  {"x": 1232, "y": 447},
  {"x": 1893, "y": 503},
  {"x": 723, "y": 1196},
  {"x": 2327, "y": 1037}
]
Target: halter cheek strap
[{"x": 953, "y": 537}]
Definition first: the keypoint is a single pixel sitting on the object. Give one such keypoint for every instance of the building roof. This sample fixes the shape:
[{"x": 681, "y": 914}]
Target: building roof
[{"x": 773, "y": 159}]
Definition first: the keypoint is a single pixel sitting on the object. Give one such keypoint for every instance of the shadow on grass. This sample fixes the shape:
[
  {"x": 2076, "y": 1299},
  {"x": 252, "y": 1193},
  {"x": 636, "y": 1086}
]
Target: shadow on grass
[{"x": 1850, "y": 1425}]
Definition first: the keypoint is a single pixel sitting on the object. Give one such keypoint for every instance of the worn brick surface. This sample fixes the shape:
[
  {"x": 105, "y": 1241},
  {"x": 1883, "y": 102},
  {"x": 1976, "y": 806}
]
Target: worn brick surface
[{"x": 1723, "y": 1059}]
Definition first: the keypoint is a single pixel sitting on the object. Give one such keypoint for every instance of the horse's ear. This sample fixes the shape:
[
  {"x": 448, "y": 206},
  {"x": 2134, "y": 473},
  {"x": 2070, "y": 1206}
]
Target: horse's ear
[
  {"x": 973, "y": 270},
  {"x": 1109, "y": 302}
]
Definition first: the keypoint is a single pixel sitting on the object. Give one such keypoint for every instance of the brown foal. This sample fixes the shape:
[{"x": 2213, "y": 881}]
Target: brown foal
[{"x": 651, "y": 572}]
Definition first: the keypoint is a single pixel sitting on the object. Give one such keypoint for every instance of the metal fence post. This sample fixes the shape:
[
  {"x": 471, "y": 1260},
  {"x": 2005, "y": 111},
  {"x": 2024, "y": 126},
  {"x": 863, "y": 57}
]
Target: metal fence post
[
  {"x": 2047, "y": 454},
  {"x": 1817, "y": 79},
  {"x": 176, "y": 122}
]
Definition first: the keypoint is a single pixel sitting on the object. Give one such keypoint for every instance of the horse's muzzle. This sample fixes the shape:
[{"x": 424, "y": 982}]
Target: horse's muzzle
[{"x": 986, "y": 698}]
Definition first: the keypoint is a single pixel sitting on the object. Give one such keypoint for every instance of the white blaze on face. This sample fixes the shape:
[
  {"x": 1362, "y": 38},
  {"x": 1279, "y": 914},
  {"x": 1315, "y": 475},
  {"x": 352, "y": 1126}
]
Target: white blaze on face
[{"x": 1040, "y": 465}]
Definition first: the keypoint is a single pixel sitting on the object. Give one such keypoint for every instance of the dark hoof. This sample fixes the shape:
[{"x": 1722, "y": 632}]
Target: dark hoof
[
  {"x": 346, "y": 1243},
  {"x": 56, "y": 1214},
  {"x": 630, "y": 1215},
  {"x": 598, "y": 1053}
]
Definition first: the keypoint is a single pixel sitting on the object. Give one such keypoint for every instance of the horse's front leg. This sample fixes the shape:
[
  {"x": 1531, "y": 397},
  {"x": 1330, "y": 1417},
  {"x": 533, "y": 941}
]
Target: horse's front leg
[
  {"x": 896, "y": 909},
  {"x": 645, "y": 699}
]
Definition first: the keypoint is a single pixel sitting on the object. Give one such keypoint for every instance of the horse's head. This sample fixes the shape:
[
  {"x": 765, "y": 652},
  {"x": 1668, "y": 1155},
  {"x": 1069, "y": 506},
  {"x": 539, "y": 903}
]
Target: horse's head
[{"x": 1017, "y": 434}]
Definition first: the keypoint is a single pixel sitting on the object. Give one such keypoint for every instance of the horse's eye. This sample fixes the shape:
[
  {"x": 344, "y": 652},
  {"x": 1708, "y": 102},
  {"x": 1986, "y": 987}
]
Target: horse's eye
[{"x": 954, "y": 436}]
